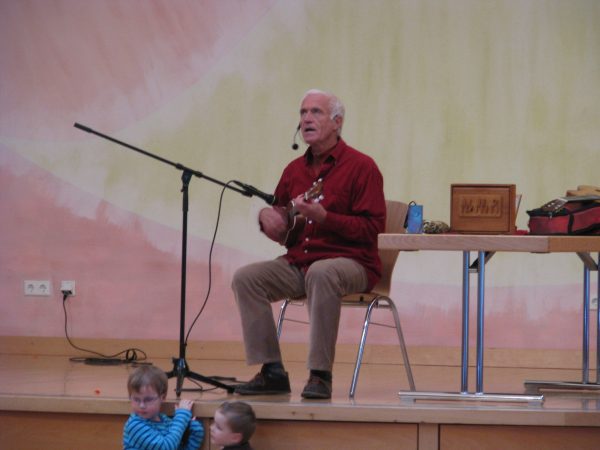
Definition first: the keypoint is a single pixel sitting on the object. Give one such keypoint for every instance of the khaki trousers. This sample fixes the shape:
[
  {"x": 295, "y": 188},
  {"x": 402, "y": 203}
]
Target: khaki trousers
[{"x": 257, "y": 285}]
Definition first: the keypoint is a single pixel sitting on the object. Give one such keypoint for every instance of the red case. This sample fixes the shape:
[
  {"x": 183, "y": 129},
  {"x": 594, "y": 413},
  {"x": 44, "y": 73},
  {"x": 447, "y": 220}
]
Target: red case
[{"x": 576, "y": 218}]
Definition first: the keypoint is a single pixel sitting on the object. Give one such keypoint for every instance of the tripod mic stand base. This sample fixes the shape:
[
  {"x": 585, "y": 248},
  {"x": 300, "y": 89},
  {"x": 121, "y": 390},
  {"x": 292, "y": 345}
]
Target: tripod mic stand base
[{"x": 182, "y": 371}]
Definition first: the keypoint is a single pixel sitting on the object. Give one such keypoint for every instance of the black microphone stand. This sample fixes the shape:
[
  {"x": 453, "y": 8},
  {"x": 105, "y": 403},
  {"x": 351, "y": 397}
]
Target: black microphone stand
[{"x": 181, "y": 369}]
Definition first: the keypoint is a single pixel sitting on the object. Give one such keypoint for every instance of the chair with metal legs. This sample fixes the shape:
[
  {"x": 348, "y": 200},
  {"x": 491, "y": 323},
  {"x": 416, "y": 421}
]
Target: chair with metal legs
[{"x": 378, "y": 298}]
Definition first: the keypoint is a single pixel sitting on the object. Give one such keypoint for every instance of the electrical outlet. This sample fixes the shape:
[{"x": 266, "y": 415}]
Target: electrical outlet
[
  {"x": 68, "y": 286},
  {"x": 594, "y": 303},
  {"x": 37, "y": 288}
]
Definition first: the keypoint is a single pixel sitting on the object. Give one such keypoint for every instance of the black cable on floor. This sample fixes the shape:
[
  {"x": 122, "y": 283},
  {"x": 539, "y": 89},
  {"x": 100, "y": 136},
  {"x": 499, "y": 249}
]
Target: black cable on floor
[{"x": 131, "y": 355}]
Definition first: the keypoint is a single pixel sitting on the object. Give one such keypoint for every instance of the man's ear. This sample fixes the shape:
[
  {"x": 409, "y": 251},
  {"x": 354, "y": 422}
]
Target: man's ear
[{"x": 339, "y": 120}]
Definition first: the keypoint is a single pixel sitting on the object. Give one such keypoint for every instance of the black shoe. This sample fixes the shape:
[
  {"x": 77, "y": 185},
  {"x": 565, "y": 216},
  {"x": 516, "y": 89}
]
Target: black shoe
[
  {"x": 265, "y": 383},
  {"x": 317, "y": 387}
]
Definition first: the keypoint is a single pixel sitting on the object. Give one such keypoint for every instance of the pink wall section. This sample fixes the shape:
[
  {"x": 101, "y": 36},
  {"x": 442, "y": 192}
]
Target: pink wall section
[
  {"x": 126, "y": 288},
  {"x": 509, "y": 323},
  {"x": 108, "y": 63}
]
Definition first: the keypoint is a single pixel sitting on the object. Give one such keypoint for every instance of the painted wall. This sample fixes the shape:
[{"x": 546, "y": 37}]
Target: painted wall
[{"x": 437, "y": 92}]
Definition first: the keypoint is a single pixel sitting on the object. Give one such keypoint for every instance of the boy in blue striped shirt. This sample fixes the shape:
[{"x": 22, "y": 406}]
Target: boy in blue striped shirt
[{"x": 147, "y": 427}]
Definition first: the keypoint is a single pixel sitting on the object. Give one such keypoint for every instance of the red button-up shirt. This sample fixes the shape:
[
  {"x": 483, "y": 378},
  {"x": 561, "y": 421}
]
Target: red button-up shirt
[{"x": 354, "y": 199}]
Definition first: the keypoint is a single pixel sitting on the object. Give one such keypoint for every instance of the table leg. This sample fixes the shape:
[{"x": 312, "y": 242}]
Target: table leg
[
  {"x": 535, "y": 386},
  {"x": 464, "y": 376},
  {"x": 479, "y": 395},
  {"x": 598, "y": 320},
  {"x": 480, "y": 316},
  {"x": 585, "y": 354}
]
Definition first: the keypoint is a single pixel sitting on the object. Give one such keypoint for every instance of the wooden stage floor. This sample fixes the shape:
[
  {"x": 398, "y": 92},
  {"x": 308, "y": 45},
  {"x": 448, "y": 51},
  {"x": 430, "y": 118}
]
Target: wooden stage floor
[{"x": 51, "y": 384}]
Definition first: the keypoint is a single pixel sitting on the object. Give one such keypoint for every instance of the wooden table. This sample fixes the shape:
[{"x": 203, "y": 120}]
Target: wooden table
[{"x": 486, "y": 246}]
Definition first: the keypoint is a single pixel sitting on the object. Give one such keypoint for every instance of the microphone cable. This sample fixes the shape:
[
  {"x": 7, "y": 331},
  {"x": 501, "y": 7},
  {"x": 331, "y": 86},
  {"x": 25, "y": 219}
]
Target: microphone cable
[
  {"x": 210, "y": 253},
  {"x": 294, "y": 145},
  {"x": 208, "y": 289}
]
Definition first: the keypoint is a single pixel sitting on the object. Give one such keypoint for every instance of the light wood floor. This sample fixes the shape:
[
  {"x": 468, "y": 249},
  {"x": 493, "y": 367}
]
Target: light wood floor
[
  {"x": 55, "y": 379},
  {"x": 51, "y": 383}
]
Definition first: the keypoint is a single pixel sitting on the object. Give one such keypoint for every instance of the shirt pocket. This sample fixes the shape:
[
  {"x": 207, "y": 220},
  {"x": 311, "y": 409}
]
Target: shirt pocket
[{"x": 337, "y": 199}]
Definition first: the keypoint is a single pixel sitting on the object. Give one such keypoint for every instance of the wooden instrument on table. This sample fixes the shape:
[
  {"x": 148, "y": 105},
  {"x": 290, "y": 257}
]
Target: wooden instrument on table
[
  {"x": 557, "y": 204},
  {"x": 297, "y": 221}
]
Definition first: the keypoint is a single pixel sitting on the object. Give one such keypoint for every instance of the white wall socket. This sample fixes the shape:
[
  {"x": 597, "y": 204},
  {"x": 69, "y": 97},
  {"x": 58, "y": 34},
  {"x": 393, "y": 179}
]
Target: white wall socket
[
  {"x": 594, "y": 303},
  {"x": 68, "y": 286},
  {"x": 38, "y": 288}
]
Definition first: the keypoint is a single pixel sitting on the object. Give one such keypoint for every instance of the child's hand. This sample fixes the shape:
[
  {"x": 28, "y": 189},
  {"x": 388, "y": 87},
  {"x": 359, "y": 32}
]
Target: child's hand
[{"x": 186, "y": 404}]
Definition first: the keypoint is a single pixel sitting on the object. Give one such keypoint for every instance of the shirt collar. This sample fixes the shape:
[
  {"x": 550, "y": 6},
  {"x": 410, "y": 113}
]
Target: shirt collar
[{"x": 333, "y": 156}]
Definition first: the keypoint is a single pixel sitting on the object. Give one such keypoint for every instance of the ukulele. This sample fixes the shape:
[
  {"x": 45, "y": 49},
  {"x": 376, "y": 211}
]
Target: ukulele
[
  {"x": 296, "y": 221},
  {"x": 557, "y": 204}
]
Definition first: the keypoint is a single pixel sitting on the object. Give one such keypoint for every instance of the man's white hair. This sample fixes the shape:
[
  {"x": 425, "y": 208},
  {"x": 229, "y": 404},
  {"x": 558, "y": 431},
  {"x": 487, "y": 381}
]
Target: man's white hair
[{"x": 335, "y": 105}]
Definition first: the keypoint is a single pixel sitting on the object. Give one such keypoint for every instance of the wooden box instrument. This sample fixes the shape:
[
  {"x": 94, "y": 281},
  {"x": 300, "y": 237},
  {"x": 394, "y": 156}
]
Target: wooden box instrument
[{"x": 483, "y": 208}]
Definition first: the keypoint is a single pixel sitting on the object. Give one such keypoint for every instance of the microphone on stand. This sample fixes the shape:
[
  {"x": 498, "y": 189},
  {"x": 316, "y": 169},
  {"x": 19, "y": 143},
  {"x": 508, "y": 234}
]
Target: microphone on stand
[
  {"x": 294, "y": 145},
  {"x": 270, "y": 199}
]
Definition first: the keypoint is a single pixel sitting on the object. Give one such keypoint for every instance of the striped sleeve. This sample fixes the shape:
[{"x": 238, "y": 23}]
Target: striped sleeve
[
  {"x": 196, "y": 435},
  {"x": 141, "y": 434}
]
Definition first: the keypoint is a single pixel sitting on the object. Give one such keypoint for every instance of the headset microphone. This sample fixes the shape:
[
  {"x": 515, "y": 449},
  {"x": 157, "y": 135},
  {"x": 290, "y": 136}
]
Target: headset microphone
[{"x": 294, "y": 145}]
